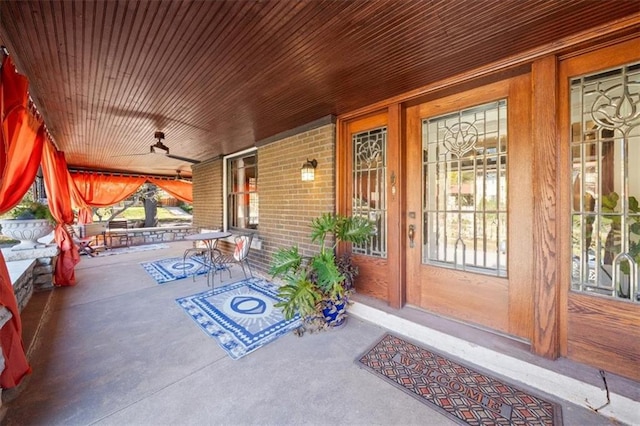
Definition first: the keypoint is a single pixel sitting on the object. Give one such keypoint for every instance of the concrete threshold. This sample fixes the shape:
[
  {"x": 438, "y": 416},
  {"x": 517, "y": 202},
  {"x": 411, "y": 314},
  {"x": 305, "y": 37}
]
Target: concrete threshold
[{"x": 555, "y": 384}]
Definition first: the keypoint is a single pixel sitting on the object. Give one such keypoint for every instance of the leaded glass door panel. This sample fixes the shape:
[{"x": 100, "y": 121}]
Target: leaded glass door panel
[
  {"x": 369, "y": 189},
  {"x": 600, "y": 140},
  {"x": 468, "y": 165}
]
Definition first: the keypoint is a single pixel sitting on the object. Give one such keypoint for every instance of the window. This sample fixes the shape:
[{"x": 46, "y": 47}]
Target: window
[
  {"x": 465, "y": 189},
  {"x": 242, "y": 191},
  {"x": 605, "y": 148},
  {"x": 369, "y": 201}
]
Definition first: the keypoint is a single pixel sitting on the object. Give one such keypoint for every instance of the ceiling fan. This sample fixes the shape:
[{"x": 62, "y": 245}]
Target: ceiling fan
[
  {"x": 162, "y": 147},
  {"x": 180, "y": 178}
]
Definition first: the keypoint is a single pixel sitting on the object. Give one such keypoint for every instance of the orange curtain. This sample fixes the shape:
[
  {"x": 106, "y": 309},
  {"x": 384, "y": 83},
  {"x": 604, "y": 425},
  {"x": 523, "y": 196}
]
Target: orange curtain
[
  {"x": 100, "y": 190},
  {"x": 85, "y": 213},
  {"x": 56, "y": 180},
  {"x": 13, "y": 107},
  {"x": 22, "y": 138},
  {"x": 176, "y": 188}
]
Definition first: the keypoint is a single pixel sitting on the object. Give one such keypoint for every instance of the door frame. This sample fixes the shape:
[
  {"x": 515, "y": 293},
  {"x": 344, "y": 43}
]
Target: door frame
[{"x": 395, "y": 289}]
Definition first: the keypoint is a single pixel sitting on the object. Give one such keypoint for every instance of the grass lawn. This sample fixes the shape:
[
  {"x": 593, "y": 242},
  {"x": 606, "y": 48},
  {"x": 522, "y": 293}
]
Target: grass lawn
[{"x": 137, "y": 213}]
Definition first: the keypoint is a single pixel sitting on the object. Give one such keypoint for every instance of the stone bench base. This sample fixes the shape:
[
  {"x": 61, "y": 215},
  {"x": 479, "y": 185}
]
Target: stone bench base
[{"x": 140, "y": 236}]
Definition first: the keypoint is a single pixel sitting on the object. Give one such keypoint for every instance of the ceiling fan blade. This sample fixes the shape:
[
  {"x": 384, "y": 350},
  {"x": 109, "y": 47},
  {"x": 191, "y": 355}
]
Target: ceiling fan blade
[{"x": 177, "y": 157}]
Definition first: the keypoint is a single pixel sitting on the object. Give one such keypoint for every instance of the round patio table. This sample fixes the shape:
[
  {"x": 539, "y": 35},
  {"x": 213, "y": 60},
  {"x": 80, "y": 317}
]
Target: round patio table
[{"x": 210, "y": 240}]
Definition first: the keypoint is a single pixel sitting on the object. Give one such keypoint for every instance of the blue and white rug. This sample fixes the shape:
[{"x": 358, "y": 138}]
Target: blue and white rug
[
  {"x": 240, "y": 316},
  {"x": 132, "y": 249},
  {"x": 174, "y": 268}
]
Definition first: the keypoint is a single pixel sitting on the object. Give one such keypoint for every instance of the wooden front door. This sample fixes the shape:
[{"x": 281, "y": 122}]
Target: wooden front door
[
  {"x": 368, "y": 173},
  {"x": 470, "y": 207},
  {"x": 448, "y": 183},
  {"x": 600, "y": 144}
]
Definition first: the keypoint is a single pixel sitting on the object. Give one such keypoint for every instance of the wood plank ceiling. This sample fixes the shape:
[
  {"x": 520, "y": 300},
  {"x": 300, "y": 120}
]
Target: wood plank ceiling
[{"x": 217, "y": 76}]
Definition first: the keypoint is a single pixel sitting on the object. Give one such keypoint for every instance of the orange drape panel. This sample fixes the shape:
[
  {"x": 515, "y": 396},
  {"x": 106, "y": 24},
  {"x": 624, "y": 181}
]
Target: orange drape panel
[
  {"x": 176, "y": 188},
  {"x": 16, "y": 365},
  {"x": 85, "y": 215},
  {"x": 98, "y": 190},
  {"x": 56, "y": 180},
  {"x": 22, "y": 137},
  {"x": 13, "y": 106}
]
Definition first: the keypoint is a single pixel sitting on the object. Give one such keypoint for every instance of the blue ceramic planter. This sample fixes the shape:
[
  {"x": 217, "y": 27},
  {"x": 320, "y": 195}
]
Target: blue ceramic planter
[{"x": 333, "y": 313}]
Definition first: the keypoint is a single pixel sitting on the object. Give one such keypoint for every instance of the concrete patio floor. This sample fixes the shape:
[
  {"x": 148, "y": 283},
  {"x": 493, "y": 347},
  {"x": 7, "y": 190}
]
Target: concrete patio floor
[{"x": 117, "y": 350}]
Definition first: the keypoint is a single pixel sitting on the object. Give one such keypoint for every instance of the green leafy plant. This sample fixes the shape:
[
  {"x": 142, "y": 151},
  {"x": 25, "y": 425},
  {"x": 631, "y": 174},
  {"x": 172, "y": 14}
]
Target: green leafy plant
[
  {"x": 609, "y": 205},
  {"x": 29, "y": 210},
  {"x": 311, "y": 282}
]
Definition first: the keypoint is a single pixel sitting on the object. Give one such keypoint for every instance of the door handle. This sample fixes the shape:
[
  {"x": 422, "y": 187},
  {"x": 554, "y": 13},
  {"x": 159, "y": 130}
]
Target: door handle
[{"x": 412, "y": 233}]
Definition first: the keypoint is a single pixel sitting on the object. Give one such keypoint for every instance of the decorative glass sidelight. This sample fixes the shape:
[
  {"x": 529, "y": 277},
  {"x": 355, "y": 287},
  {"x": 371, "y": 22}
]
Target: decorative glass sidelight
[
  {"x": 465, "y": 189},
  {"x": 369, "y": 187},
  {"x": 605, "y": 155}
]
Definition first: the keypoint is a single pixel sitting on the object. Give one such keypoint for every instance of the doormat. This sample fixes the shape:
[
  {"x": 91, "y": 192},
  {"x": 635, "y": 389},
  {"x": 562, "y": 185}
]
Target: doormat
[
  {"x": 461, "y": 392},
  {"x": 240, "y": 316},
  {"x": 174, "y": 268}
]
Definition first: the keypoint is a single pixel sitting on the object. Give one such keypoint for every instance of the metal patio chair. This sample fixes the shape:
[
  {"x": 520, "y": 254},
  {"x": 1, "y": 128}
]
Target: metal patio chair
[
  {"x": 200, "y": 249},
  {"x": 240, "y": 255}
]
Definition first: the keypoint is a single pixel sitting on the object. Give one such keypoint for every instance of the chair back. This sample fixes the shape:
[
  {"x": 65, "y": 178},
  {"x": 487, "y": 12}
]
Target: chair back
[
  {"x": 71, "y": 231},
  {"x": 242, "y": 247},
  {"x": 117, "y": 224}
]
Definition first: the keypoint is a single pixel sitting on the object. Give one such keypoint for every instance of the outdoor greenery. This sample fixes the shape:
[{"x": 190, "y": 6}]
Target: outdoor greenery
[
  {"x": 29, "y": 210},
  {"x": 137, "y": 213},
  {"x": 312, "y": 283},
  {"x": 609, "y": 206}
]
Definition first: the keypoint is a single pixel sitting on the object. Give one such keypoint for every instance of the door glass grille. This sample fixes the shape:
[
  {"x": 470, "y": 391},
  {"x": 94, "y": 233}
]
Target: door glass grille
[
  {"x": 465, "y": 189},
  {"x": 369, "y": 187},
  {"x": 605, "y": 216}
]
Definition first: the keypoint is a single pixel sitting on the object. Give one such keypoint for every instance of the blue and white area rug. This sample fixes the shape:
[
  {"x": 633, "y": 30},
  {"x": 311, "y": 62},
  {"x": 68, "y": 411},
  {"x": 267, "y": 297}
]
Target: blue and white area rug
[
  {"x": 132, "y": 249},
  {"x": 174, "y": 268},
  {"x": 240, "y": 316}
]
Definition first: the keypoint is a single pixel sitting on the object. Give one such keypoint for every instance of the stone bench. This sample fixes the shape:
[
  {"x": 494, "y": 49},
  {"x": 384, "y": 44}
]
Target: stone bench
[
  {"x": 154, "y": 235},
  {"x": 21, "y": 275},
  {"x": 41, "y": 277}
]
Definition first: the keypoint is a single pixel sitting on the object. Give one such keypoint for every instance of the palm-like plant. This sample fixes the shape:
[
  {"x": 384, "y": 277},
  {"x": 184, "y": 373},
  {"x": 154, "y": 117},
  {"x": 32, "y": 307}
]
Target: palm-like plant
[{"x": 310, "y": 281}]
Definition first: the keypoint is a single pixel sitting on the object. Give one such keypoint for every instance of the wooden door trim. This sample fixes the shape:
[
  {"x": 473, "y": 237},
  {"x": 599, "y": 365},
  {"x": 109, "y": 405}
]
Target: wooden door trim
[
  {"x": 395, "y": 228},
  {"x": 545, "y": 193}
]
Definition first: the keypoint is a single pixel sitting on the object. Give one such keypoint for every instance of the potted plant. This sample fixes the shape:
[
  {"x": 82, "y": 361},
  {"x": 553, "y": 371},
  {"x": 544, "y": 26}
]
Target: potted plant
[
  {"x": 318, "y": 287},
  {"x": 31, "y": 221}
]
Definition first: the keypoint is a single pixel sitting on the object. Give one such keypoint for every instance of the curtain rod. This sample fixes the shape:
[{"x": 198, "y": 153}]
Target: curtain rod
[{"x": 124, "y": 174}]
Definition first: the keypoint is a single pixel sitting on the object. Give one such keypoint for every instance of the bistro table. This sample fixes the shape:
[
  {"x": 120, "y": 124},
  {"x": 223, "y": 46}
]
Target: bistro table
[{"x": 210, "y": 240}]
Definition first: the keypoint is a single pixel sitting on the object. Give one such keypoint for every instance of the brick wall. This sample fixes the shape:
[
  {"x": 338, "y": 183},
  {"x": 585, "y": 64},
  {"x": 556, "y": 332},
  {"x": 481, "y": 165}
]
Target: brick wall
[
  {"x": 287, "y": 205},
  {"x": 207, "y": 194}
]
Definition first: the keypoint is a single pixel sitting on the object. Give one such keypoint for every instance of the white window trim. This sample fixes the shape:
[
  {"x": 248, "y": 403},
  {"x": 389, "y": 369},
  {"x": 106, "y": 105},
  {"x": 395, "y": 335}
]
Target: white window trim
[{"x": 225, "y": 195}]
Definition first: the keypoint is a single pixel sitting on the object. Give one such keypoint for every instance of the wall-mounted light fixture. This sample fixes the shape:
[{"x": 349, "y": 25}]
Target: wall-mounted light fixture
[{"x": 308, "y": 170}]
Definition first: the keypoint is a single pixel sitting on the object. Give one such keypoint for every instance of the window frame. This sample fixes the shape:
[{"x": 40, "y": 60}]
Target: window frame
[{"x": 225, "y": 186}]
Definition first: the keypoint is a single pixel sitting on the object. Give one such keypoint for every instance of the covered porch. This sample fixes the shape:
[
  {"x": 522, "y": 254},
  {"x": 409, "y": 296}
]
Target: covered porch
[
  {"x": 119, "y": 350},
  {"x": 485, "y": 140}
]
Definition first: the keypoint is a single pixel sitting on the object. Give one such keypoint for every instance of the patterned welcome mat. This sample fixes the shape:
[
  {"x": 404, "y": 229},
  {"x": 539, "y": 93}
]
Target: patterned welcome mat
[
  {"x": 174, "y": 268},
  {"x": 466, "y": 395},
  {"x": 240, "y": 316}
]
